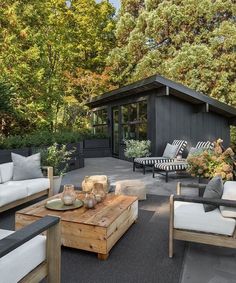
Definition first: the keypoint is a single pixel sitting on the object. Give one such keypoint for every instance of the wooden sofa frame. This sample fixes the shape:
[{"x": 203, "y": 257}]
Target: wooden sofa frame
[
  {"x": 48, "y": 192},
  {"x": 51, "y": 267},
  {"x": 195, "y": 236}
]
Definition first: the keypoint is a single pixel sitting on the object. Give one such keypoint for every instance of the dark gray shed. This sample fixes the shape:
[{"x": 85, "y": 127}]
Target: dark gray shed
[{"x": 160, "y": 110}]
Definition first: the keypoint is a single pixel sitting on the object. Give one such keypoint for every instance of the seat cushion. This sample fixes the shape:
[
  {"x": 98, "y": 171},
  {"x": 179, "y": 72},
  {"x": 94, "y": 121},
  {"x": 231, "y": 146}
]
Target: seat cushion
[
  {"x": 172, "y": 166},
  {"x": 152, "y": 160},
  {"x": 191, "y": 216},
  {"x": 18, "y": 263},
  {"x": 230, "y": 194},
  {"x": 6, "y": 171},
  {"x": 32, "y": 185},
  {"x": 10, "y": 193}
]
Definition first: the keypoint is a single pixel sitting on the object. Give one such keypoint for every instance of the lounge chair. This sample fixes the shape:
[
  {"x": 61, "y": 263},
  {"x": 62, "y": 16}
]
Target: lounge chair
[
  {"x": 175, "y": 165},
  {"x": 26, "y": 256},
  {"x": 150, "y": 161}
]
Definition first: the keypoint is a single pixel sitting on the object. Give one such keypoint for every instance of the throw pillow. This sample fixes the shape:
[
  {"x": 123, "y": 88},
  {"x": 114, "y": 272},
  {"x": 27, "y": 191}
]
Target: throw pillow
[
  {"x": 214, "y": 189},
  {"x": 26, "y": 167},
  {"x": 194, "y": 150},
  {"x": 170, "y": 151}
]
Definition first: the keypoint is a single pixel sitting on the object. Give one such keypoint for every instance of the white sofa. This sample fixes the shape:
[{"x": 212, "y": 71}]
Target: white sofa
[
  {"x": 24, "y": 255},
  {"x": 13, "y": 193},
  {"x": 190, "y": 222}
]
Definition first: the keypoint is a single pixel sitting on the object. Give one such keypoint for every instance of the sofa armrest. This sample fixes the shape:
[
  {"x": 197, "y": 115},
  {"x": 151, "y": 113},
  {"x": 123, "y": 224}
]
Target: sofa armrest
[
  {"x": 22, "y": 236},
  {"x": 217, "y": 202},
  {"x": 49, "y": 170},
  {"x": 194, "y": 186}
]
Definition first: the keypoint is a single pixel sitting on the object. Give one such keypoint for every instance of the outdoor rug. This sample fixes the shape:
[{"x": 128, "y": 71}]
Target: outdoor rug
[{"x": 140, "y": 256}]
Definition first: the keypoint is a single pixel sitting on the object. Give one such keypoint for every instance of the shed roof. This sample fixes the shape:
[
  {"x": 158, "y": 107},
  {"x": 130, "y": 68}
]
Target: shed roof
[{"x": 173, "y": 88}]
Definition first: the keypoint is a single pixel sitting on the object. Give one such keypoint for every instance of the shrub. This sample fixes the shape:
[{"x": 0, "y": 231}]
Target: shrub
[
  {"x": 135, "y": 148},
  {"x": 46, "y": 138},
  {"x": 210, "y": 163}
]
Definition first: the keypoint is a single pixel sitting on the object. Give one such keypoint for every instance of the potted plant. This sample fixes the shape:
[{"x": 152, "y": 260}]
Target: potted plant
[
  {"x": 57, "y": 157},
  {"x": 136, "y": 148}
]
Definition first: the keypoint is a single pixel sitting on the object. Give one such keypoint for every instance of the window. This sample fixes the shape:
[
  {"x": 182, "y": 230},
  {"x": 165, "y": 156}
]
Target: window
[
  {"x": 100, "y": 121},
  {"x": 134, "y": 121}
]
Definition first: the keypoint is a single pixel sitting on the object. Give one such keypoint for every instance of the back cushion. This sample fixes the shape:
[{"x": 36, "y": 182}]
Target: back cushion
[
  {"x": 230, "y": 194},
  {"x": 6, "y": 172}
]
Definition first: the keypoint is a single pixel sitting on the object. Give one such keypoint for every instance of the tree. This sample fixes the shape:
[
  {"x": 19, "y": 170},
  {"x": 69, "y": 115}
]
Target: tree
[
  {"x": 41, "y": 40},
  {"x": 192, "y": 42}
]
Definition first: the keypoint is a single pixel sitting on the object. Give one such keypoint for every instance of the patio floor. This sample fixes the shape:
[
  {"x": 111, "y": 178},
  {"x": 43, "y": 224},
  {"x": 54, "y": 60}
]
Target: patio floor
[{"x": 202, "y": 263}]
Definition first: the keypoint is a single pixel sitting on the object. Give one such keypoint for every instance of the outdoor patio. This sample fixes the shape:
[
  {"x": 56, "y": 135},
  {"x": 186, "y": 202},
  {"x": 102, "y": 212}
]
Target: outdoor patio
[{"x": 141, "y": 255}]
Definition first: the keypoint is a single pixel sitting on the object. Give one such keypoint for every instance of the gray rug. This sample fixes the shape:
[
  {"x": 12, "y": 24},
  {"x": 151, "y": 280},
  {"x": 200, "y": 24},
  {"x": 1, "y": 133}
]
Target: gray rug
[{"x": 140, "y": 256}]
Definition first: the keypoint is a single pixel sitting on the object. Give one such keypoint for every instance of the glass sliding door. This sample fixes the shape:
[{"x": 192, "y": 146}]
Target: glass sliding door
[{"x": 115, "y": 131}]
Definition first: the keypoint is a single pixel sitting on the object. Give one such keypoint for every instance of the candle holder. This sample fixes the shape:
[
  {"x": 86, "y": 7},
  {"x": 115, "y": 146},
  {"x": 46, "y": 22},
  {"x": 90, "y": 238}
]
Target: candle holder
[
  {"x": 90, "y": 200},
  {"x": 68, "y": 196}
]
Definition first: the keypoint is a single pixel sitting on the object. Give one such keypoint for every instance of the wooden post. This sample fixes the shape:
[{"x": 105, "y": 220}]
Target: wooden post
[
  {"x": 54, "y": 253},
  {"x": 178, "y": 188},
  {"x": 50, "y": 177},
  {"x": 171, "y": 227}
]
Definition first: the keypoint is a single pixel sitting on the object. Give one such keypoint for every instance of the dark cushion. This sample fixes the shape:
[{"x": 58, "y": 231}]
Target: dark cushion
[
  {"x": 26, "y": 167},
  {"x": 214, "y": 189}
]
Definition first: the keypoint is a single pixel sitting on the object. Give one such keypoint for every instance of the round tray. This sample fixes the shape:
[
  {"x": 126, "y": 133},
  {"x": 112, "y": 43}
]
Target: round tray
[{"x": 57, "y": 204}]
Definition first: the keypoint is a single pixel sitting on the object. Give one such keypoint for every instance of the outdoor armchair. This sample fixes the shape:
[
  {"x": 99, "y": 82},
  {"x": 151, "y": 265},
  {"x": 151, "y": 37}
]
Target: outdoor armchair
[
  {"x": 26, "y": 256},
  {"x": 189, "y": 221}
]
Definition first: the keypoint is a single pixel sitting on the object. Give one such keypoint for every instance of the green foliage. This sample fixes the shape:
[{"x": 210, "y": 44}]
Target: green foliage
[
  {"x": 209, "y": 164},
  {"x": 135, "y": 148},
  {"x": 57, "y": 157},
  {"x": 41, "y": 40},
  {"x": 191, "y": 42},
  {"x": 46, "y": 138}
]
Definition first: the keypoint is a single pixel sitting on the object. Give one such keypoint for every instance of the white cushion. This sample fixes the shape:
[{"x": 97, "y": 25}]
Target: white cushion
[
  {"x": 10, "y": 193},
  {"x": 230, "y": 194},
  {"x": 32, "y": 185},
  {"x": 18, "y": 263},
  {"x": 6, "y": 170},
  {"x": 191, "y": 216}
]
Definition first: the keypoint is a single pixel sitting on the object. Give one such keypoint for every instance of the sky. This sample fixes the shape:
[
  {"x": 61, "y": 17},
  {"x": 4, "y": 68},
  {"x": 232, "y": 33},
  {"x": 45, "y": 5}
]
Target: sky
[{"x": 116, "y": 3}]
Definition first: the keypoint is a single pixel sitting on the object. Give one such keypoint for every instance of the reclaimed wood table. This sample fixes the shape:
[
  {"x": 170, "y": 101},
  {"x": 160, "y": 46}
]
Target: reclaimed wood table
[{"x": 96, "y": 230}]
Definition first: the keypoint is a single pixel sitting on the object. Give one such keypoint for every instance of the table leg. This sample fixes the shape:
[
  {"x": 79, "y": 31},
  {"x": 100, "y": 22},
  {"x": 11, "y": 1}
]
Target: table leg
[{"x": 103, "y": 256}]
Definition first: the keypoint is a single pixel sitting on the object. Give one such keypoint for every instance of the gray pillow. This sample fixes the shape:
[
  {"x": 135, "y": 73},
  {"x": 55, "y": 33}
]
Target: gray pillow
[
  {"x": 26, "y": 167},
  {"x": 194, "y": 150},
  {"x": 214, "y": 189},
  {"x": 170, "y": 151}
]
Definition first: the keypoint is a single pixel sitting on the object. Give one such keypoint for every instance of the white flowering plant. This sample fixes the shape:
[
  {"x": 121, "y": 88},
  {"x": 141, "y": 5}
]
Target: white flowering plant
[{"x": 136, "y": 148}]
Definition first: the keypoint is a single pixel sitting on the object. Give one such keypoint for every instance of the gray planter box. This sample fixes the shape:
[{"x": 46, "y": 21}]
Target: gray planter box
[
  {"x": 97, "y": 148},
  {"x": 5, "y": 154}
]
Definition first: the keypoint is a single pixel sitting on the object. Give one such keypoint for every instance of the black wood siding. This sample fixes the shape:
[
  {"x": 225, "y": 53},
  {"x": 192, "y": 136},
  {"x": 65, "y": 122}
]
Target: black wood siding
[{"x": 177, "y": 119}]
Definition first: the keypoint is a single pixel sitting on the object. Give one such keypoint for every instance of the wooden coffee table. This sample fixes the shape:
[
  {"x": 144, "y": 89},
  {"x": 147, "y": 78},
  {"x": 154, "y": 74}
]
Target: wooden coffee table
[{"x": 96, "y": 230}]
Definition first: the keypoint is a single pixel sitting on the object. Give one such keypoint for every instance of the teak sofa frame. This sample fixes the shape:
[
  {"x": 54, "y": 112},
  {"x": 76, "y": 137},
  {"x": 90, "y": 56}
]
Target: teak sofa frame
[
  {"x": 48, "y": 192},
  {"x": 194, "y": 236},
  {"x": 51, "y": 267}
]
